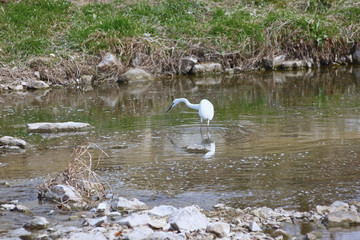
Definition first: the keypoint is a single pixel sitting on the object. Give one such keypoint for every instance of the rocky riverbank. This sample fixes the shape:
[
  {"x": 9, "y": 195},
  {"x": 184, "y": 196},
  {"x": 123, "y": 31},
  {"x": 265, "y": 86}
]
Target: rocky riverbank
[
  {"x": 120, "y": 218},
  {"x": 43, "y": 73}
]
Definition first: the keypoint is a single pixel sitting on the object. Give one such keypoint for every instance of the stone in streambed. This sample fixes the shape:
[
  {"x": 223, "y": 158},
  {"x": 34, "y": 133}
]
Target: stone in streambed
[
  {"x": 8, "y": 141},
  {"x": 342, "y": 218},
  {"x": 188, "y": 219},
  {"x": 220, "y": 229},
  {"x": 162, "y": 211},
  {"x": 37, "y": 223},
  {"x": 124, "y": 204},
  {"x": 47, "y": 127}
]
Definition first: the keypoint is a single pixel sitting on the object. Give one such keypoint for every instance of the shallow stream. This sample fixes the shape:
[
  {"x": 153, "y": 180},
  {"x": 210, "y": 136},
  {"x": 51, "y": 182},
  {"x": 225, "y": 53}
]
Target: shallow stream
[{"x": 282, "y": 139}]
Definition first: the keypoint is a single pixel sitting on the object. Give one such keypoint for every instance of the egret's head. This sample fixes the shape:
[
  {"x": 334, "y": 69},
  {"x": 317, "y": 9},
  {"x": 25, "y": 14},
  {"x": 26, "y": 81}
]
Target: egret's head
[{"x": 176, "y": 101}]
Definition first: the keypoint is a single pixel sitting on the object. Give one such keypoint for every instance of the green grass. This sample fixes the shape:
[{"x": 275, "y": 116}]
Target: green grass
[{"x": 39, "y": 27}]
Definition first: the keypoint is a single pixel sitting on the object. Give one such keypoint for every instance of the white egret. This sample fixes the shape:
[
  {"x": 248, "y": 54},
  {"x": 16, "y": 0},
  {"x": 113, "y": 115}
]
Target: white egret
[{"x": 205, "y": 108}]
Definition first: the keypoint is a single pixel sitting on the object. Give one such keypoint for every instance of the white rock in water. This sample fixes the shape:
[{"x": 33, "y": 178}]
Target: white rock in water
[
  {"x": 338, "y": 206},
  {"x": 125, "y": 204},
  {"x": 12, "y": 141},
  {"x": 63, "y": 193},
  {"x": 37, "y": 223},
  {"x": 135, "y": 220},
  {"x": 8, "y": 207},
  {"x": 254, "y": 227},
  {"x": 342, "y": 218},
  {"x": 37, "y": 85},
  {"x": 162, "y": 211},
  {"x": 135, "y": 75},
  {"x": 196, "y": 148},
  {"x": 188, "y": 219},
  {"x": 220, "y": 229},
  {"x": 47, "y": 127}
]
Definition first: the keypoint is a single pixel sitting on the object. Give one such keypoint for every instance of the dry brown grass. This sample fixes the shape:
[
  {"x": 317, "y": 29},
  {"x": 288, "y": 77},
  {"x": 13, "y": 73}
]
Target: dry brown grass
[{"x": 80, "y": 175}]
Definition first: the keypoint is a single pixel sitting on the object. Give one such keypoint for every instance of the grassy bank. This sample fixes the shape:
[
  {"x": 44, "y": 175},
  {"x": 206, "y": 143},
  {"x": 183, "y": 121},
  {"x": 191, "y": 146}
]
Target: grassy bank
[{"x": 235, "y": 33}]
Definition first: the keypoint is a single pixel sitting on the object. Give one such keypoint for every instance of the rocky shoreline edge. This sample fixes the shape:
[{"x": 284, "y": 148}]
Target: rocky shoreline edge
[
  {"x": 120, "y": 218},
  {"x": 46, "y": 72}
]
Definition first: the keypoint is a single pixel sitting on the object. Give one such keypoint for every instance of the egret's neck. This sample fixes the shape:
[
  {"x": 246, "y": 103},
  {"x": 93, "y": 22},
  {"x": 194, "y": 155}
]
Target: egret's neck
[{"x": 190, "y": 105}]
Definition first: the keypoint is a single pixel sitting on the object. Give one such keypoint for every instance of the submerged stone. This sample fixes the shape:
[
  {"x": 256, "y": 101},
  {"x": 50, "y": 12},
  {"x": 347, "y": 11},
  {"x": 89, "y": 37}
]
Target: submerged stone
[{"x": 37, "y": 223}]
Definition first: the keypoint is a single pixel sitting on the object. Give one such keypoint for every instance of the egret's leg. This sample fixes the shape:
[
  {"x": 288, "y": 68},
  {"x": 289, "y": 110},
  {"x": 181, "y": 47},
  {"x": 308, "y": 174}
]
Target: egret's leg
[{"x": 208, "y": 125}]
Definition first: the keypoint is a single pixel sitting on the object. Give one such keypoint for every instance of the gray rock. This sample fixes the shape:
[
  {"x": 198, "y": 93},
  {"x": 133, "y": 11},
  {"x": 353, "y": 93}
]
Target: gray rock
[
  {"x": 263, "y": 212},
  {"x": 196, "y": 148},
  {"x": 356, "y": 54},
  {"x": 37, "y": 85},
  {"x": 95, "y": 222},
  {"x": 188, "y": 219},
  {"x": 338, "y": 206},
  {"x": 135, "y": 220},
  {"x": 273, "y": 63},
  {"x": 206, "y": 68},
  {"x": 139, "y": 234},
  {"x": 322, "y": 209},
  {"x": 310, "y": 236},
  {"x": 158, "y": 223},
  {"x": 22, "y": 234},
  {"x": 187, "y": 64},
  {"x": 279, "y": 232},
  {"x": 167, "y": 236},
  {"x": 63, "y": 193},
  {"x": 124, "y": 204},
  {"x": 135, "y": 75},
  {"x": 342, "y": 218},
  {"x": 198, "y": 69},
  {"x": 8, "y": 207},
  {"x": 220, "y": 229},
  {"x": 109, "y": 61},
  {"x": 16, "y": 87},
  {"x": 47, "y": 127},
  {"x": 86, "y": 236},
  {"x": 254, "y": 227},
  {"x": 37, "y": 223},
  {"x": 7, "y": 141},
  {"x": 102, "y": 209},
  {"x": 293, "y": 64},
  {"x": 229, "y": 71},
  {"x": 162, "y": 211},
  {"x": 278, "y": 60}
]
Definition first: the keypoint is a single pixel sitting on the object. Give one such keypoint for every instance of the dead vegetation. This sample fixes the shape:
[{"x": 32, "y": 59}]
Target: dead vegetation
[{"x": 80, "y": 176}]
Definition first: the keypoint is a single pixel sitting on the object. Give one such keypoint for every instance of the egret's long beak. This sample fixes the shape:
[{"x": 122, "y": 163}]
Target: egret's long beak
[{"x": 170, "y": 107}]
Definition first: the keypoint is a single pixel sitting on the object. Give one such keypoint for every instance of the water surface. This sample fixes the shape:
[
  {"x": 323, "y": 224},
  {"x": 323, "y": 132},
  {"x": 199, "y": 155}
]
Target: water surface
[{"x": 282, "y": 139}]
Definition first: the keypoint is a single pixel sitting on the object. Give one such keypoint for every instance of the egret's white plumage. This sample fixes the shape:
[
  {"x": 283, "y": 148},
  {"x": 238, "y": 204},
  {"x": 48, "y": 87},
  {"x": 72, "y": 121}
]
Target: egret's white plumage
[{"x": 205, "y": 108}]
